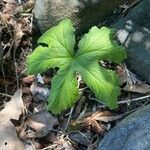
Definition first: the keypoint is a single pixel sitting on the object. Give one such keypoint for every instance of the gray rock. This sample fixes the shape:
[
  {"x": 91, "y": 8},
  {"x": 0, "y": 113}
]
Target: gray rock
[
  {"x": 83, "y": 13},
  {"x": 134, "y": 33},
  {"x": 133, "y": 133}
]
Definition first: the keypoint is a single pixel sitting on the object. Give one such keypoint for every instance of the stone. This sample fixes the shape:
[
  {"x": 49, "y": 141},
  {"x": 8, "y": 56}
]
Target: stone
[
  {"x": 132, "y": 133},
  {"x": 83, "y": 13},
  {"x": 134, "y": 34}
]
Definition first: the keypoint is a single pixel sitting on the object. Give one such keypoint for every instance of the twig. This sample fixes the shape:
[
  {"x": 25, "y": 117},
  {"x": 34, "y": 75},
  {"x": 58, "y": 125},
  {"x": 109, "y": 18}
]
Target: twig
[
  {"x": 126, "y": 10},
  {"x": 84, "y": 136},
  {"x": 82, "y": 113},
  {"x": 4, "y": 76},
  {"x": 79, "y": 80},
  {"x": 82, "y": 89},
  {"x": 32, "y": 145},
  {"x": 15, "y": 64},
  {"x": 134, "y": 99},
  {"x": 128, "y": 112},
  {"x": 5, "y": 95},
  {"x": 17, "y": 80},
  {"x": 69, "y": 118},
  {"x": 124, "y": 101},
  {"x": 49, "y": 147},
  {"x": 3, "y": 70},
  {"x": 19, "y": 1}
]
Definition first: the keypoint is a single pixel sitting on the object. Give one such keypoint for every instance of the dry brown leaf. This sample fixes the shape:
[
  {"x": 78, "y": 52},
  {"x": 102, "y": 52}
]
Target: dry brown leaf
[
  {"x": 12, "y": 110},
  {"x": 46, "y": 80},
  {"x": 133, "y": 84},
  {"x": 15, "y": 25},
  {"x": 26, "y": 90},
  {"x": 79, "y": 105},
  {"x": 29, "y": 79},
  {"x": 105, "y": 116},
  {"x": 81, "y": 138},
  {"x": 122, "y": 75},
  {"x": 3, "y": 81},
  {"x": 12, "y": 7},
  {"x": 126, "y": 76},
  {"x": 93, "y": 122},
  {"x": 42, "y": 122},
  {"x": 96, "y": 127},
  {"x": 18, "y": 33},
  {"x": 39, "y": 93},
  {"x": 63, "y": 143},
  {"x": 139, "y": 88},
  {"x": 66, "y": 146}
]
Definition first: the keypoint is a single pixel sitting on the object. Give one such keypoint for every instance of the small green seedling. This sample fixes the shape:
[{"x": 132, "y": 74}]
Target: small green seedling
[{"x": 96, "y": 45}]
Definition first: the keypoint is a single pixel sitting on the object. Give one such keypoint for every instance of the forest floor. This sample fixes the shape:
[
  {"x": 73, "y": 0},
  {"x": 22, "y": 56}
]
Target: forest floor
[{"x": 24, "y": 119}]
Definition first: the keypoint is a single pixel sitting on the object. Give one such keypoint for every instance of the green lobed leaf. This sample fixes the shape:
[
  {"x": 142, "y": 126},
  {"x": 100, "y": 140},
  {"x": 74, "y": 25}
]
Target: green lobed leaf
[
  {"x": 103, "y": 83},
  {"x": 44, "y": 58},
  {"x": 99, "y": 44},
  {"x": 60, "y": 40},
  {"x": 64, "y": 91},
  {"x": 59, "y": 52},
  {"x": 61, "y": 37}
]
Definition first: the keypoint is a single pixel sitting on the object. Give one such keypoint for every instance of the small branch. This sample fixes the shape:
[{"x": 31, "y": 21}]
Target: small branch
[
  {"x": 124, "y": 101},
  {"x": 134, "y": 99},
  {"x": 81, "y": 115},
  {"x": 69, "y": 118},
  {"x": 82, "y": 89},
  {"x": 49, "y": 147},
  {"x": 3, "y": 71},
  {"x": 79, "y": 80},
  {"x": 32, "y": 145},
  {"x": 128, "y": 112},
  {"x": 17, "y": 79},
  {"x": 3, "y": 94},
  {"x": 15, "y": 64}
]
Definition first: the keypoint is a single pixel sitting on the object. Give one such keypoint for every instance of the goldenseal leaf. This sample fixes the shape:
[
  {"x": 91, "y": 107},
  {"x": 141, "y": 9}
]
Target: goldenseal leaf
[
  {"x": 60, "y": 40},
  {"x": 103, "y": 83},
  {"x": 96, "y": 45},
  {"x": 64, "y": 91},
  {"x": 44, "y": 58}
]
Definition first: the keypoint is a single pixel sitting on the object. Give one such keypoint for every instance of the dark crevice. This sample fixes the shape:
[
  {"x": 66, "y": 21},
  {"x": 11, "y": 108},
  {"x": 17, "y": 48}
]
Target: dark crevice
[{"x": 43, "y": 44}]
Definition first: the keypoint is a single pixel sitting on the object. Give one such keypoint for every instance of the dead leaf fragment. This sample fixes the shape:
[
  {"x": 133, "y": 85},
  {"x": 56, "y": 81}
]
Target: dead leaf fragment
[
  {"x": 14, "y": 107},
  {"x": 80, "y": 138},
  {"x": 105, "y": 116},
  {"x": 94, "y": 121},
  {"x": 62, "y": 143},
  {"x": 12, "y": 110},
  {"x": 29, "y": 79},
  {"x": 139, "y": 88},
  {"x": 126, "y": 76},
  {"x": 18, "y": 34},
  {"x": 39, "y": 79},
  {"x": 122, "y": 75},
  {"x": 12, "y": 7},
  {"x": 42, "y": 122},
  {"x": 79, "y": 105},
  {"x": 39, "y": 93}
]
